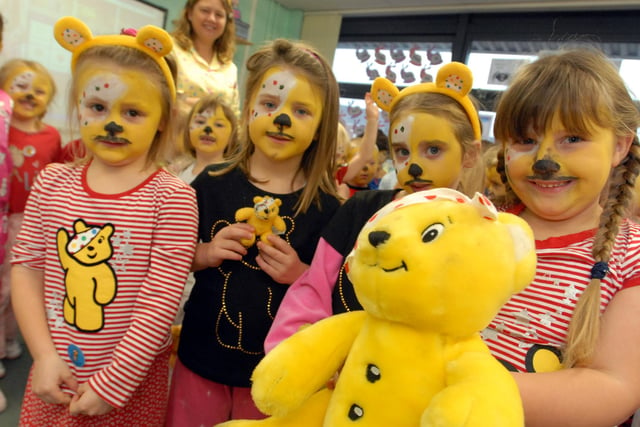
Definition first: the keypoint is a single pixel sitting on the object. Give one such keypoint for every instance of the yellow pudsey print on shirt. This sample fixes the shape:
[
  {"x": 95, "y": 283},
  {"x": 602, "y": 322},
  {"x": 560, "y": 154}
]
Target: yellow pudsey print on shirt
[{"x": 90, "y": 282}]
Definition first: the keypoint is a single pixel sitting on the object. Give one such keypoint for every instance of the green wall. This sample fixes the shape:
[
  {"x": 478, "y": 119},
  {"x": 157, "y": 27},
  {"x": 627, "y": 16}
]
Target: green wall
[{"x": 268, "y": 20}]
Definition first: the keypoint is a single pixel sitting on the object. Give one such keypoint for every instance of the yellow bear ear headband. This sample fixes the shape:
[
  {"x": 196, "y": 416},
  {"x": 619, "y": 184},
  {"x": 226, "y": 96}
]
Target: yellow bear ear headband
[
  {"x": 453, "y": 80},
  {"x": 73, "y": 35}
]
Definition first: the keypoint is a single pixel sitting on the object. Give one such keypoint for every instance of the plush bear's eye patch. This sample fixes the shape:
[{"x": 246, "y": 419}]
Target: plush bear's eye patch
[{"x": 432, "y": 232}]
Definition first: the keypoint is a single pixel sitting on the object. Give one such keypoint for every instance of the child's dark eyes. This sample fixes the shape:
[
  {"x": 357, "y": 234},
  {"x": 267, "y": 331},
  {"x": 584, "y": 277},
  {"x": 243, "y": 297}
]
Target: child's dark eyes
[
  {"x": 401, "y": 152},
  {"x": 97, "y": 107},
  {"x": 433, "y": 150},
  {"x": 132, "y": 113}
]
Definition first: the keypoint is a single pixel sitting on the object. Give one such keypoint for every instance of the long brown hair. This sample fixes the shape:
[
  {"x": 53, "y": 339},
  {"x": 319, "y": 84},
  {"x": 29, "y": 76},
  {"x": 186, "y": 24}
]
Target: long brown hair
[
  {"x": 318, "y": 160},
  {"x": 583, "y": 88},
  {"x": 224, "y": 47}
]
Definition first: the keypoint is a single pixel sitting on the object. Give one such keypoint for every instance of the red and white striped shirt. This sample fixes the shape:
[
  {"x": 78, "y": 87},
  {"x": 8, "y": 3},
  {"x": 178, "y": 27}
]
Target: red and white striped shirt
[
  {"x": 153, "y": 243},
  {"x": 531, "y": 328}
]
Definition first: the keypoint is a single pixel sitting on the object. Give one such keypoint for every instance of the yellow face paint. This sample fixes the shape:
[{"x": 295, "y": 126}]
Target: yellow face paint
[
  {"x": 31, "y": 93},
  {"x": 209, "y": 131},
  {"x": 285, "y": 114},
  {"x": 120, "y": 112},
  {"x": 559, "y": 175},
  {"x": 425, "y": 151},
  {"x": 366, "y": 174}
]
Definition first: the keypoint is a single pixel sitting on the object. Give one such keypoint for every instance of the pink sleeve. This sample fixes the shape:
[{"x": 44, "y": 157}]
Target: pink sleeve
[{"x": 309, "y": 298}]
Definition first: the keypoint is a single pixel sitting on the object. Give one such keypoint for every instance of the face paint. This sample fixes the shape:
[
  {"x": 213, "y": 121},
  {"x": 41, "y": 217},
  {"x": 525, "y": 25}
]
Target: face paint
[
  {"x": 285, "y": 114},
  {"x": 366, "y": 174},
  {"x": 425, "y": 151},
  {"x": 209, "y": 131},
  {"x": 31, "y": 92},
  {"x": 120, "y": 112},
  {"x": 559, "y": 175}
]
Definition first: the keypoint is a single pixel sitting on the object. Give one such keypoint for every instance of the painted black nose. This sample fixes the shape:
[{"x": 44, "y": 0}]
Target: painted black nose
[
  {"x": 545, "y": 167},
  {"x": 378, "y": 237},
  {"x": 113, "y": 128},
  {"x": 282, "y": 120},
  {"x": 415, "y": 170},
  {"x": 208, "y": 130}
]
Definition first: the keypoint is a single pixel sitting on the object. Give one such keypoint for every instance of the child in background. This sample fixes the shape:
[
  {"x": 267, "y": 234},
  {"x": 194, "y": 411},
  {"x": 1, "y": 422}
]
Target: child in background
[
  {"x": 571, "y": 153},
  {"x": 363, "y": 177},
  {"x": 210, "y": 136},
  {"x": 105, "y": 247},
  {"x": 290, "y": 117},
  {"x": 6, "y": 105},
  {"x": 363, "y": 151},
  {"x": 435, "y": 142},
  {"x": 32, "y": 144}
]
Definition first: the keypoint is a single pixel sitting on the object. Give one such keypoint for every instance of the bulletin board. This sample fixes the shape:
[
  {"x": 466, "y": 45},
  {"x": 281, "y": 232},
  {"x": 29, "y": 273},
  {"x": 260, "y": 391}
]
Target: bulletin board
[{"x": 28, "y": 34}]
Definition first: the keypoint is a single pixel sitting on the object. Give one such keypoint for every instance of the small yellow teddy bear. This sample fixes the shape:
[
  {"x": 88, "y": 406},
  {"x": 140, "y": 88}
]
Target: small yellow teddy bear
[
  {"x": 431, "y": 270},
  {"x": 264, "y": 217}
]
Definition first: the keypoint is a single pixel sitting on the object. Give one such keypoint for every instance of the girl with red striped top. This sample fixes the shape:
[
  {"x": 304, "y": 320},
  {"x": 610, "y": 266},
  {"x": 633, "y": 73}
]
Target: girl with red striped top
[
  {"x": 106, "y": 245},
  {"x": 571, "y": 155}
]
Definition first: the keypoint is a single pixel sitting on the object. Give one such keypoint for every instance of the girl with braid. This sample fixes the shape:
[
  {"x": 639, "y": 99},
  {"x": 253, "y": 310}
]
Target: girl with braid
[{"x": 571, "y": 155}]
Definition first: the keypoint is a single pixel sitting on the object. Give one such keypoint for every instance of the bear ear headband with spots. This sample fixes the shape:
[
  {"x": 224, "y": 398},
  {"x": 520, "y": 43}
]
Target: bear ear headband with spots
[
  {"x": 453, "y": 80},
  {"x": 73, "y": 35}
]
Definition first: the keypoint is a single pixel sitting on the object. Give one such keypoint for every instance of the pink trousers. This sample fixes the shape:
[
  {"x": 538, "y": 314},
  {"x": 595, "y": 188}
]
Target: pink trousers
[
  {"x": 195, "y": 401},
  {"x": 8, "y": 325}
]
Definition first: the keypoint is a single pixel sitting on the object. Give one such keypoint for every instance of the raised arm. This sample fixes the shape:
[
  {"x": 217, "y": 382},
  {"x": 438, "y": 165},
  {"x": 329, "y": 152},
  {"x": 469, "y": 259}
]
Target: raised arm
[{"x": 367, "y": 146}]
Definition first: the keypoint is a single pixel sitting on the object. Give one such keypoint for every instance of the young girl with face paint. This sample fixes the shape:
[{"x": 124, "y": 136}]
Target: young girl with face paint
[
  {"x": 571, "y": 157},
  {"x": 435, "y": 142},
  {"x": 32, "y": 145},
  {"x": 210, "y": 136},
  {"x": 290, "y": 121},
  {"x": 106, "y": 245}
]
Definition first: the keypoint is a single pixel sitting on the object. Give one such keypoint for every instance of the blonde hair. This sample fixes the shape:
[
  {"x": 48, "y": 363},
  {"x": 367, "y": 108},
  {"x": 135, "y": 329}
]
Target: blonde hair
[
  {"x": 584, "y": 89},
  {"x": 10, "y": 66},
  {"x": 130, "y": 58},
  {"x": 318, "y": 160},
  {"x": 212, "y": 102},
  {"x": 439, "y": 105},
  {"x": 224, "y": 46}
]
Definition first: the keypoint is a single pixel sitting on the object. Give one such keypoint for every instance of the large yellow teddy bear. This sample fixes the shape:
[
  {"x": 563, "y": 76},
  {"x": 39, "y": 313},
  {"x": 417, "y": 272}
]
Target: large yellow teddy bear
[{"x": 431, "y": 270}]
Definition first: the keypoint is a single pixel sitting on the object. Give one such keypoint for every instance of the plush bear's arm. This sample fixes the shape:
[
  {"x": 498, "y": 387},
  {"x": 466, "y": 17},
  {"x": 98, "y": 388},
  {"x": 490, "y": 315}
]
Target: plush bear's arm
[
  {"x": 244, "y": 214},
  {"x": 303, "y": 363},
  {"x": 479, "y": 392},
  {"x": 278, "y": 227}
]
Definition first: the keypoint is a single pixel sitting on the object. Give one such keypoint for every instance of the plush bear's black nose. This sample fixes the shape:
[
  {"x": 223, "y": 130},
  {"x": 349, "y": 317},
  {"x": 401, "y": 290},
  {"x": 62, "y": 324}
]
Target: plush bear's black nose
[{"x": 378, "y": 237}]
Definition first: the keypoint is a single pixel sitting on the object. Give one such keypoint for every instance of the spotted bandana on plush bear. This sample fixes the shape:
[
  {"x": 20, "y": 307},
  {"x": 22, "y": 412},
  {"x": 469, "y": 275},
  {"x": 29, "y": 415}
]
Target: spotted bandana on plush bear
[
  {"x": 82, "y": 239},
  {"x": 73, "y": 35},
  {"x": 453, "y": 80}
]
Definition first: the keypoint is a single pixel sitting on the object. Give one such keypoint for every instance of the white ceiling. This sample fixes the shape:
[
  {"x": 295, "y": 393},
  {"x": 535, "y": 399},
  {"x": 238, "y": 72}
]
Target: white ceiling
[{"x": 397, "y": 7}]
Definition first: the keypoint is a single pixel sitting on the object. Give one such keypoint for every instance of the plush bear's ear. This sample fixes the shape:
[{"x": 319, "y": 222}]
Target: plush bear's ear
[
  {"x": 155, "y": 39},
  {"x": 71, "y": 33},
  {"x": 455, "y": 77},
  {"x": 524, "y": 249},
  {"x": 383, "y": 92},
  {"x": 257, "y": 199}
]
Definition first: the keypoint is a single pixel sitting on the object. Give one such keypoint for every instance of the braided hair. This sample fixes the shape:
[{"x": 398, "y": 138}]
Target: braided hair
[{"x": 584, "y": 89}]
